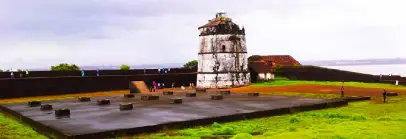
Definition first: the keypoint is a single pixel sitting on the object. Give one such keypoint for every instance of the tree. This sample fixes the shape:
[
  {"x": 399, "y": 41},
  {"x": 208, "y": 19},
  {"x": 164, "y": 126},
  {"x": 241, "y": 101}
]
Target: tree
[
  {"x": 65, "y": 67},
  {"x": 190, "y": 64},
  {"x": 125, "y": 67},
  {"x": 1, "y": 70}
]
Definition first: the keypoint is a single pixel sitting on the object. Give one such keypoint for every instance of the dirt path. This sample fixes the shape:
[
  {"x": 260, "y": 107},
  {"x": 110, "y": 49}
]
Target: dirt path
[{"x": 328, "y": 89}]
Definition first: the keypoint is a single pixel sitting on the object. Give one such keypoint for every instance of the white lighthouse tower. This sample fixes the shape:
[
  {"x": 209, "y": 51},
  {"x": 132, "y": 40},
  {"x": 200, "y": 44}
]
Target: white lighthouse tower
[{"x": 223, "y": 60}]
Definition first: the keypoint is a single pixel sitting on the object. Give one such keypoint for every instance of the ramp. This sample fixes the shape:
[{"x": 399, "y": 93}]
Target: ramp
[{"x": 138, "y": 87}]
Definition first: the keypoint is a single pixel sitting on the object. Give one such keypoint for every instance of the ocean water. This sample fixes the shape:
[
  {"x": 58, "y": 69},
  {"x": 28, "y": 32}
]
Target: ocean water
[{"x": 395, "y": 69}]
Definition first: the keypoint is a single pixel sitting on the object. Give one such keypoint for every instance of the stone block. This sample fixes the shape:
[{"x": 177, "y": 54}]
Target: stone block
[
  {"x": 191, "y": 94},
  {"x": 225, "y": 92},
  {"x": 62, "y": 112},
  {"x": 253, "y": 94},
  {"x": 201, "y": 90},
  {"x": 168, "y": 93},
  {"x": 103, "y": 102},
  {"x": 46, "y": 107},
  {"x": 126, "y": 106},
  {"x": 84, "y": 99},
  {"x": 176, "y": 101},
  {"x": 392, "y": 94},
  {"x": 217, "y": 97},
  {"x": 149, "y": 97},
  {"x": 129, "y": 95},
  {"x": 34, "y": 103}
]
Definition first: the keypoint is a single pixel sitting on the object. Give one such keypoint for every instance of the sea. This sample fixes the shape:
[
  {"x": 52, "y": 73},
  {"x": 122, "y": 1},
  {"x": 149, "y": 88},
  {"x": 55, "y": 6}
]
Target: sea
[{"x": 394, "y": 69}]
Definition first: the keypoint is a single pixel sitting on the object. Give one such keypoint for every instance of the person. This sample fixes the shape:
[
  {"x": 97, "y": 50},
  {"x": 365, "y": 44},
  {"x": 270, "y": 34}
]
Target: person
[
  {"x": 163, "y": 85},
  {"x": 159, "y": 85},
  {"x": 83, "y": 73},
  {"x": 97, "y": 72},
  {"x": 155, "y": 85},
  {"x": 384, "y": 96},
  {"x": 159, "y": 70},
  {"x": 12, "y": 74},
  {"x": 342, "y": 91},
  {"x": 182, "y": 87},
  {"x": 21, "y": 75},
  {"x": 26, "y": 73},
  {"x": 396, "y": 82},
  {"x": 173, "y": 84}
]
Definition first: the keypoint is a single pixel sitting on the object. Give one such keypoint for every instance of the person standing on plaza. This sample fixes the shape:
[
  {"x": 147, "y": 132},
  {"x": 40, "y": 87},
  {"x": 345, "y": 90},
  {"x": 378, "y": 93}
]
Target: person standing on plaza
[
  {"x": 12, "y": 74},
  {"x": 384, "y": 96},
  {"x": 83, "y": 73},
  {"x": 26, "y": 73}
]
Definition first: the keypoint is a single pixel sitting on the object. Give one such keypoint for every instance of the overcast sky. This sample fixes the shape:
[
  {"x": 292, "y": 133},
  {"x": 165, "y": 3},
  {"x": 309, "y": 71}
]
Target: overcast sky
[{"x": 41, "y": 33}]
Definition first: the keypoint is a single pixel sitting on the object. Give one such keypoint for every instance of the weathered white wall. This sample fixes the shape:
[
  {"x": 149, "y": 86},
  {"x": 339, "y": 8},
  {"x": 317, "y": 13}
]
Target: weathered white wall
[
  {"x": 229, "y": 63},
  {"x": 224, "y": 80},
  {"x": 214, "y": 43}
]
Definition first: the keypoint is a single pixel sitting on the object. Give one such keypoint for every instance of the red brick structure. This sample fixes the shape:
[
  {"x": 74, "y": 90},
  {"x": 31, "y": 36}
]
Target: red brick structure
[
  {"x": 283, "y": 60},
  {"x": 262, "y": 67}
]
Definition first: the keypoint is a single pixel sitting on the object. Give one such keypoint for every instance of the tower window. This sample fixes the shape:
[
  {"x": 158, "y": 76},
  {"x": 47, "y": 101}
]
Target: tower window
[{"x": 224, "y": 48}]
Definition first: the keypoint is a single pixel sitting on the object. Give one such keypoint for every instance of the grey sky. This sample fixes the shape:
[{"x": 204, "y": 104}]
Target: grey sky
[{"x": 41, "y": 33}]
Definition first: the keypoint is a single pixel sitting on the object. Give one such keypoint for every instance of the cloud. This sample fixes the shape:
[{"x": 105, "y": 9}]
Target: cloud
[{"x": 44, "y": 32}]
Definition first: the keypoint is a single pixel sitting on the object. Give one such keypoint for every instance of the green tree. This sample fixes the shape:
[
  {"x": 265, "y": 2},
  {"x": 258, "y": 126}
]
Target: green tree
[
  {"x": 125, "y": 67},
  {"x": 65, "y": 67},
  {"x": 1, "y": 70},
  {"x": 191, "y": 64}
]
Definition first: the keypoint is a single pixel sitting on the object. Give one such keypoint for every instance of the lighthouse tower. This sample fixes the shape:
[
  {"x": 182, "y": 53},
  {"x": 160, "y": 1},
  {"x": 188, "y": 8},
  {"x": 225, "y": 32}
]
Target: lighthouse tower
[{"x": 223, "y": 60}]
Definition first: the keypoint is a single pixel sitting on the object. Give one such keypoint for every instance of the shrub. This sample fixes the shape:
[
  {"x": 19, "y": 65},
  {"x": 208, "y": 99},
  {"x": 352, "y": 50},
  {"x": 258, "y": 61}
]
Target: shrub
[
  {"x": 294, "y": 120},
  {"x": 125, "y": 67},
  {"x": 191, "y": 64},
  {"x": 215, "y": 125},
  {"x": 242, "y": 136},
  {"x": 65, "y": 67},
  {"x": 358, "y": 117}
]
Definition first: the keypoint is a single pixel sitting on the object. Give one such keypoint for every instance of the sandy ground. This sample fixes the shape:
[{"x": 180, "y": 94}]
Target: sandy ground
[{"x": 327, "y": 89}]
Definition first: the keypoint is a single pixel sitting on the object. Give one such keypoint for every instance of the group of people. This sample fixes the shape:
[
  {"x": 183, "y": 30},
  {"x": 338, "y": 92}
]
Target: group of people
[
  {"x": 97, "y": 72},
  {"x": 23, "y": 74},
  {"x": 155, "y": 86},
  {"x": 163, "y": 70}
]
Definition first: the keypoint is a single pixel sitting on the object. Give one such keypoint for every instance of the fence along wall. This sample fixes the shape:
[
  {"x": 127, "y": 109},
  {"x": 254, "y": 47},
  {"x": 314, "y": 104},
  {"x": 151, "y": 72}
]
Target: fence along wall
[
  {"x": 93, "y": 72},
  {"x": 13, "y": 88}
]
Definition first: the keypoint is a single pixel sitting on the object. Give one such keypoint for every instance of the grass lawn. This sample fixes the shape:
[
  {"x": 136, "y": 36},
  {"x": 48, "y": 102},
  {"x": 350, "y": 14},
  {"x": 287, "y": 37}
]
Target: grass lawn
[
  {"x": 354, "y": 84},
  {"x": 11, "y": 128},
  {"x": 359, "y": 120}
]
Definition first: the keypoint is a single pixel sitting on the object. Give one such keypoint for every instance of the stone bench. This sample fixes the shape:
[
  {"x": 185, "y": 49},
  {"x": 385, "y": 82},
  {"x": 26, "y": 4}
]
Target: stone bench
[
  {"x": 126, "y": 106},
  {"x": 62, "y": 112},
  {"x": 149, "y": 97},
  {"x": 84, "y": 99},
  {"x": 103, "y": 102},
  {"x": 34, "y": 103},
  {"x": 46, "y": 107},
  {"x": 175, "y": 101},
  {"x": 217, "y": 97}
]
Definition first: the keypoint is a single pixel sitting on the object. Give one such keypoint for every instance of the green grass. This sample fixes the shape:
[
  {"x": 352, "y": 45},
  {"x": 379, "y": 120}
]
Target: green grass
[
  {"x": 354, "y": 84},
  {"x": 359, "y": 120},
  {"x": 11, "y": 128}
]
